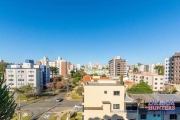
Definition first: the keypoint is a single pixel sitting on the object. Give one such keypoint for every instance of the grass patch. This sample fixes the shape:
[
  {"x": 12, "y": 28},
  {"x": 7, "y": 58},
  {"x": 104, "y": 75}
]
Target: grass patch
[
  {"x": 16, "y": 116},
  {"x": 53, "y": 118},
  {"x": 75, "y": 96}
]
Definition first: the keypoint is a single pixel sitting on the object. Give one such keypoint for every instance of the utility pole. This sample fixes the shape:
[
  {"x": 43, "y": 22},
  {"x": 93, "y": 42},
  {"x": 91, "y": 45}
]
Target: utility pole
[{"x": 67, "y": 82}]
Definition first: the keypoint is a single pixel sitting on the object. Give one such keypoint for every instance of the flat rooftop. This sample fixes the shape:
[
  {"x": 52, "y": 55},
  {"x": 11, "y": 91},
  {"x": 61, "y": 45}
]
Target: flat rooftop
[
  {"x": 161, "y": 97},
  {"x": 101, "y": 84}
]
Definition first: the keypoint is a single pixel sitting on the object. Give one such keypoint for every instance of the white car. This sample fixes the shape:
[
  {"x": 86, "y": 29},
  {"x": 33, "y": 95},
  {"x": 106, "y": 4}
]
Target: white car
[{"x": 78, "y": 106}]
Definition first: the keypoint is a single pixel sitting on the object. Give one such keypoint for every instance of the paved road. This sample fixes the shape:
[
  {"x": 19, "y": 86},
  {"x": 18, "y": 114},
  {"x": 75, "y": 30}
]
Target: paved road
[{"x": 48, "y": 105}]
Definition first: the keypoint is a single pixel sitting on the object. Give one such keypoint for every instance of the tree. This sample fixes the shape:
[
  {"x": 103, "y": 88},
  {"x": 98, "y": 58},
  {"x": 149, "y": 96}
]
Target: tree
[
  {"x": 135, "y": 69},
  {"x": 3, "y": 66},
  {"x": 121, "y": 80},
  {"x": 103, "y": 75},
  {"x": 160, "y": 69},
  {"x": 95, "y": 74},
  {"x": 7, "y": 102},
  {"x": 54, "y": 71},
  {"x": 72, "y": 73},
  {"x": 79, "y": 91},
  {"x": 141, "y": 88}
]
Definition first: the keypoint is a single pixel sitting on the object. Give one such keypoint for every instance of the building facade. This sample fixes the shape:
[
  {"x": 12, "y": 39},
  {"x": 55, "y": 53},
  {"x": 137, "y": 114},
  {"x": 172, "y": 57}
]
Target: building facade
[
  {"x": 27, "y": 73},
  {"x": 106, "y": 101},
  {"x": 21, "y": 75},
  {"x": 154, "y": 80},
  {"x": 118, "y": 66},
  {"x": 172, "y": 69}
]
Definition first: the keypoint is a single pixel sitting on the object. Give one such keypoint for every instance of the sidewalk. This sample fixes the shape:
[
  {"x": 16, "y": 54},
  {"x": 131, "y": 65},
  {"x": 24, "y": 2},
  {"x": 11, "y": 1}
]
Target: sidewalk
[{"x": 60, "y": 114}]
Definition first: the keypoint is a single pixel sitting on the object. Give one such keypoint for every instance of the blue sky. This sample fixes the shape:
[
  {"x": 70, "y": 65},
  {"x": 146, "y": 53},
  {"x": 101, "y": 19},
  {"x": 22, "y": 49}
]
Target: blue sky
[{"x": 80, "y": 31}]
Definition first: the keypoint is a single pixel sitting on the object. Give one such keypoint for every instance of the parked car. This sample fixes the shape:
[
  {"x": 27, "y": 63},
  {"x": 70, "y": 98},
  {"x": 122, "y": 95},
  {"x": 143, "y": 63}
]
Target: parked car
[
  {"x": 78, "y": 106},
  {"x": 58, "y": 100}
]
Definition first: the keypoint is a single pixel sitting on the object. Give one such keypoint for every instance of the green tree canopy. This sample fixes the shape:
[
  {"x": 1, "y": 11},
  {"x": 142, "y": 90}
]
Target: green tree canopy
[
  {"x": 141, "y": 88},
  {"x": 3, "y": 66},
  {"x": 7, "y": 102},
  {"x": 77, "y": 74},
  {"x": 121, "y": 80},
  {"x": 135, "y": 69},
  {"x": 160, "y": 69},
  {"x": 95, "y": 74}
]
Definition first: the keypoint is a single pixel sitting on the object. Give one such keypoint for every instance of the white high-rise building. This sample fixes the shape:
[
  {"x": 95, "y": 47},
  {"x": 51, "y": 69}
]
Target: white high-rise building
[
  {"x": 78, "y": 67},
  {"x": 44, "y": 61},
  {"x": 166, "y": 69},
  {"x": 20, "y": 75}
]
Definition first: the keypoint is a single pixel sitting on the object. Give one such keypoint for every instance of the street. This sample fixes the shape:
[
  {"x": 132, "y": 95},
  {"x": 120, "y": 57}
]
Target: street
[{"x": 48, "y": 105}]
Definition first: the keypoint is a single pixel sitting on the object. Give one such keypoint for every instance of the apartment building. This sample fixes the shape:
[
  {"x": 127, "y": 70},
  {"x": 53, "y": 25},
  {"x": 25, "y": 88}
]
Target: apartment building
[
  {"x": 107, "y": 101},
  {"x": 172, "y": 68},
  {"x": 118, "y": 66},
  {"x": 45, "y": 73},
  {"x": 154, "y": 80},
  {"x": 27, "y": 73},
  {"x": 62, "y": 65},
  {"x": 20, "y": 75}
]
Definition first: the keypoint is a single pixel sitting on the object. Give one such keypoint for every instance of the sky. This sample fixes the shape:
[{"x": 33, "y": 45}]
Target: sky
[{"x": 80, "y": 31}]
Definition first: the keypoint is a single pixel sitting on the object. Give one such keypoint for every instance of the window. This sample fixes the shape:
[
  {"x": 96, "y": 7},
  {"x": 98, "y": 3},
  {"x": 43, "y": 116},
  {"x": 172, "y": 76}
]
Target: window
[
  {"x": 31, "y": 79},
  {"x": 31, "y": 75},
  {"x": 11, "y": 83},
  {"x": 161, "y": 79},
  {"x": 10, "y": 75},
  {"x": 173, "y": 116},
  {"x": 156, "y": 79},
  {"x": 22, "y": 71},
  {"x": 105, "y": 92},
  {"x": 161, "y": 83},
  {"x": 155, "y": 83},
  {"x": 158, "y": 115},
  {"x": 115, "y": 106},
  {"x": 154, "y": 115},
  {"x": 10, "y": 79},
  {"x": 116, "y": 92},
  {"x": 155, "y": 87},
  {"x": 161, "y": 87},
  {"x": 143, "y": 116},
  {"x": 20, "y": 79}
]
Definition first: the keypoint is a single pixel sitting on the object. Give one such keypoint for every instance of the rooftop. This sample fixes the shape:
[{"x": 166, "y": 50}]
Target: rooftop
[
  {"x": 161, "y": 97},
  {"x": 101, "y": 84}
]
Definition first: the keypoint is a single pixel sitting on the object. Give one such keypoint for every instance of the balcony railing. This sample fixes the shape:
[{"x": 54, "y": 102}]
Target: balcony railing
[{"x": 123, "y": 111}]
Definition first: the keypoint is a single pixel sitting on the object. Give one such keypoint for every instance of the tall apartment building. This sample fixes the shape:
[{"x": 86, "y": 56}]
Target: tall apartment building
[
  {"x": 27, "y": 73},
  {"x": 118, "y": 66},
  {"x": 172, "y": 69},
  {"x": 20, "y": 75},
  {"x": 62, "y": 65}
]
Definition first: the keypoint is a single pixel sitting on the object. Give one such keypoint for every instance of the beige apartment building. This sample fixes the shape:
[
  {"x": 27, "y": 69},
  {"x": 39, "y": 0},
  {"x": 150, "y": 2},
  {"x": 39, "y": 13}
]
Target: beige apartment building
[
  {"x": 107, "y": 101},
  {"x": 154, "y": 80}
]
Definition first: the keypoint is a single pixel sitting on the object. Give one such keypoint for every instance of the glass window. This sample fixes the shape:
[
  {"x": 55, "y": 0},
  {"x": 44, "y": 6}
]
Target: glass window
[
  {"x": 173, "y": 116},
  {"x": 116, "y": 92},
  {"x": 143, "y": 116},
  {"x": 105, "y": 92},
  {"x": 115, "y": 106}
]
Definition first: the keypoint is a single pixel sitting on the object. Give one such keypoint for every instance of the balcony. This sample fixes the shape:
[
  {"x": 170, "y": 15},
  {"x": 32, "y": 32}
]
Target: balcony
[{"x": 123, "y": 111}]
